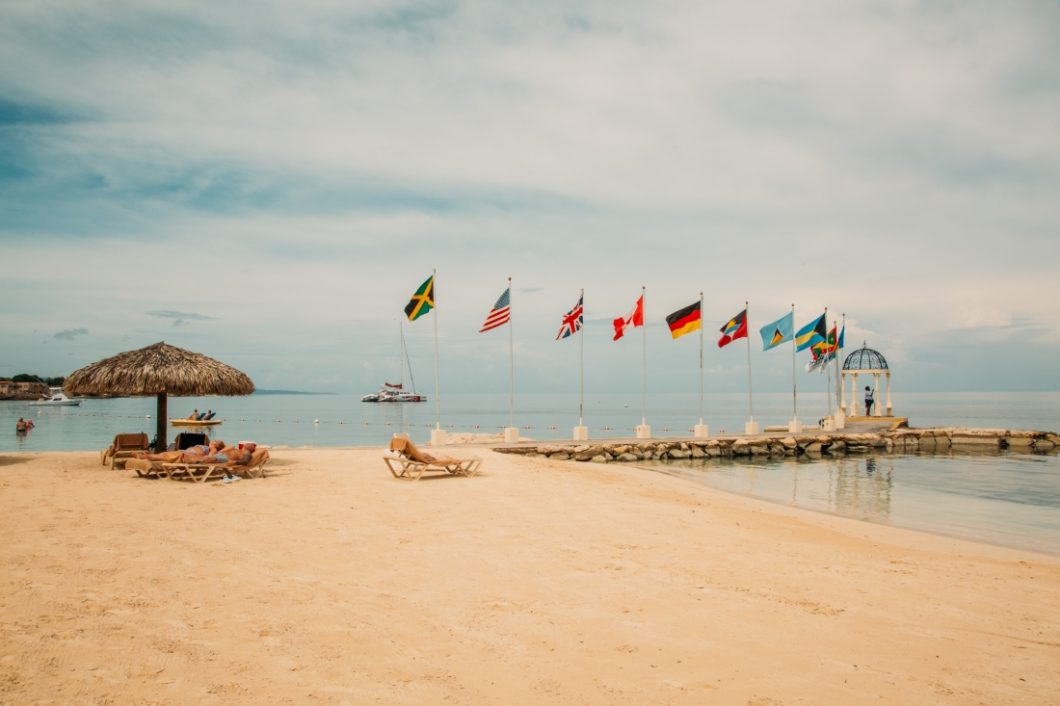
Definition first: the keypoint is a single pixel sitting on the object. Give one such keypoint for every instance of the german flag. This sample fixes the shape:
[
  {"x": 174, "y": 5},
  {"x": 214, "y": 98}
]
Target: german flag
[
  {"x": 684, "y": 320},
  {"x": 422, "y": 301}
]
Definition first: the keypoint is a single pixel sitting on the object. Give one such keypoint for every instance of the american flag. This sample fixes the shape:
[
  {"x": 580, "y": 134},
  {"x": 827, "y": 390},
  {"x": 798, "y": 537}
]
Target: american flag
[
  {"x": 572, "y": 321},
  {"x": 500, "y": 314}
]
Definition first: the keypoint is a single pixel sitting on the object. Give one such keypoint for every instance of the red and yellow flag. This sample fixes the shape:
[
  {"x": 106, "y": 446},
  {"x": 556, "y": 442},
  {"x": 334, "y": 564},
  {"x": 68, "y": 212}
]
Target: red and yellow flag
[{"x": 684, "y": 320}]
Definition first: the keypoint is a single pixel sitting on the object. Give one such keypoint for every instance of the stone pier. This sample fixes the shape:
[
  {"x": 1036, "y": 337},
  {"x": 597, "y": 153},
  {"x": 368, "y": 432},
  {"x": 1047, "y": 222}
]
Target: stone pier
[{"x": 835, "y": 443}]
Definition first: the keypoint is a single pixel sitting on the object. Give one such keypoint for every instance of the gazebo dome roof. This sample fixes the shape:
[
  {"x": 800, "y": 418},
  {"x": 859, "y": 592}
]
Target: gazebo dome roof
[{"x": 865, "y": 358}]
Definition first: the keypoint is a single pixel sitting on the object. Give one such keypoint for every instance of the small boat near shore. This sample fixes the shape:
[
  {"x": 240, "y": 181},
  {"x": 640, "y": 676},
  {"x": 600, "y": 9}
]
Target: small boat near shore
[
  {"x": 196, "y": 422},
  {"x": 56, "y": 398}
]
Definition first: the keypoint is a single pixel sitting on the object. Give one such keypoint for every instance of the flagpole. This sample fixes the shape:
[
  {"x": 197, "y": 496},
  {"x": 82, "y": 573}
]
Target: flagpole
[
  {"x": 794, "y": 393},
  {"x": 511, "y": 361},
  {"x": 701, "y": 360},
  {"x": 437, "y": 399},
  {"x": 828, "y": 385},
  {"x": 840, "y": 412},
  {"x": 643, "y": 366},
  {"x": 581, "y": 364},
  {"x": 747, "y": 323}
]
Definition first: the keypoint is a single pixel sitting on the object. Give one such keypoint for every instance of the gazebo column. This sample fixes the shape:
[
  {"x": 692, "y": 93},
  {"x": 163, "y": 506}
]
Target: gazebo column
[
  {"x": 888, "y": 393},
  {"x": 853, "y": 394},
  {"x": 876, "y": 393},
  {"x": 843, "y": 392}
]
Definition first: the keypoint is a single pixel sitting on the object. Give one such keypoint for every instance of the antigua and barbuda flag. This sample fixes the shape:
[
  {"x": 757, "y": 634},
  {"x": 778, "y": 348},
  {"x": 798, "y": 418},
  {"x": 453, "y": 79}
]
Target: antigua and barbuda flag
[{"x": 735, "y": 328}]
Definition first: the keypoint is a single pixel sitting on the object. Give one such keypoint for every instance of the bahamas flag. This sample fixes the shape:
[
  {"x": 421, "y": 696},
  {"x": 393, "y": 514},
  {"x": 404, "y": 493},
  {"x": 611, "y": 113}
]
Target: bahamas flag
[
  {"x": 777, "y": 332},
  {"x": 422, "y": 301},
  {"x": 811, "y": 333}
]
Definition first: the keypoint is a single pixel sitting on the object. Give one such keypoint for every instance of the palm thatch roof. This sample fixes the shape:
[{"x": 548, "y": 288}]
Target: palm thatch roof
[{"x": 160, "y": 369}]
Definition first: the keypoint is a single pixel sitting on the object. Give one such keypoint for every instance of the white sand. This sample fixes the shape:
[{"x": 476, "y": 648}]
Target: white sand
[{"x": 535, "y": 582}]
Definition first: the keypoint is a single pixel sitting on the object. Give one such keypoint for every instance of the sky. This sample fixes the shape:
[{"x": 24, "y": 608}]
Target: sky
[{"x": 268, "y": 184}]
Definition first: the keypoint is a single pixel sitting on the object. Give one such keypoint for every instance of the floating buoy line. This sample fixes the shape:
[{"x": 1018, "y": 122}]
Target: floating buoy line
[{"x": 364, "y": 423}]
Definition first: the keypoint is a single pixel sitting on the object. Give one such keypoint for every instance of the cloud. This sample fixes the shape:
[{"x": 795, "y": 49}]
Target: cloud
[
  {"x": 71, "y": 333},
  {"x": 180, "y": 318},
  {"x": 896, "y": 161}
]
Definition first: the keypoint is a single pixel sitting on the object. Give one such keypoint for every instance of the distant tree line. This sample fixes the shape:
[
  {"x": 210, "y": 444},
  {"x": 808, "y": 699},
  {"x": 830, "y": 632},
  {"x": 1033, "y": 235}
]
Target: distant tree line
[{"x": 50, "y": 382}]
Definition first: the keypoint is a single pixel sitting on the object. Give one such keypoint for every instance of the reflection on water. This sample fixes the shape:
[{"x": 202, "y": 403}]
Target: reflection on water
[{"x": 1009, "y": 499}]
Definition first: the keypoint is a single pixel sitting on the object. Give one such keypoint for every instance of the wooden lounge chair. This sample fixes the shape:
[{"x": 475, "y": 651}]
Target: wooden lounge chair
[
  {"x": 405, "y": 460},
  {"x": 201, "y": 472},
  {"x": 123, "y": 448},
  {"x": 146, "y": 468}
]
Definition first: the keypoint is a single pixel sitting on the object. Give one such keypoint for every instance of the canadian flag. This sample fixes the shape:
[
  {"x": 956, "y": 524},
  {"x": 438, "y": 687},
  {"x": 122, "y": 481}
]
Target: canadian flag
[{"x": 636, "y": 318}]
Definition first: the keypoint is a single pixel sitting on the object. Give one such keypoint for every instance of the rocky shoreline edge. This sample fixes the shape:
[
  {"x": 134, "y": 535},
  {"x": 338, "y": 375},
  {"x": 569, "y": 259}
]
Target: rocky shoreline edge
[{"x": 806, "y": 444}]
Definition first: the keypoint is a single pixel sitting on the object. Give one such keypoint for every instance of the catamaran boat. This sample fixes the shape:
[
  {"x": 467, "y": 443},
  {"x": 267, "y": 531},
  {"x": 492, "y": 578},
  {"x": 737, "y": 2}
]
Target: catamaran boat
[
  {"x": 56, "y": 398},
  {"x": 396, "y": 392}
]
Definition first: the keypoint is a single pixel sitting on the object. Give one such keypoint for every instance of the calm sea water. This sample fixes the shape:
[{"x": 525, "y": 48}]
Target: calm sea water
[
  {"x": 1011, "y": 499},
  {"x": 1007, "y": 499}
]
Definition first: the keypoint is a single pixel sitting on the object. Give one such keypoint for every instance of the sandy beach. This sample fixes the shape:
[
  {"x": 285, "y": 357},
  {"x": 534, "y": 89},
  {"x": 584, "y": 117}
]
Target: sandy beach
[{"x": 535, "y": 582}]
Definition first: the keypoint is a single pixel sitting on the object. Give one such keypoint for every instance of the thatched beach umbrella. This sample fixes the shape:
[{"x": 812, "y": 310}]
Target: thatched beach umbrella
[{"x": 159, "y": 370}]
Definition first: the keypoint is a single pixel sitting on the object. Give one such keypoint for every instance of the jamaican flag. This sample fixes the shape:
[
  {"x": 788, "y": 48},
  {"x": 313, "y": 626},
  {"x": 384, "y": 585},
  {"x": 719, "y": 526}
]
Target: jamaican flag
[{"x": 422, "y": 301}]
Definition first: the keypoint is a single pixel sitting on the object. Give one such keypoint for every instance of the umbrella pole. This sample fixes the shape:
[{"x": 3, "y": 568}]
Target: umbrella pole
[{"x": 160, "y": 430}]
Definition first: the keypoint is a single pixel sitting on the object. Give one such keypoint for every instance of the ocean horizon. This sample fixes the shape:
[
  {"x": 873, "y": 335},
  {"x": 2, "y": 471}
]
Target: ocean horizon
[{"x": 310, "y": 419}]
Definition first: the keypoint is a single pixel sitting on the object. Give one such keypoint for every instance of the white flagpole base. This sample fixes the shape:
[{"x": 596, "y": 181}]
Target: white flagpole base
[
  {"x": 439, "y": 437},
  {"x": 511, "y": 435},
  {"x": 751, "y": 427},
  {"x": 642, "y": 431},
  {"x": 701, "y": 431},
  {"x": 794, "y": 426},
  {"x": 581, "y": 433},
  {"x": 840, "y": 420}
]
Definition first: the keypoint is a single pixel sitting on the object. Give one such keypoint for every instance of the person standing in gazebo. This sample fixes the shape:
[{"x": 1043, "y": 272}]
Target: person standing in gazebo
[{"x": 869, "y": 400}]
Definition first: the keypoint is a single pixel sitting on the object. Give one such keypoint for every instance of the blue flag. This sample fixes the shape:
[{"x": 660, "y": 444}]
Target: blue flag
[
  {"x": 777, "y": 332},
  {"x": 811, "y": 333}
]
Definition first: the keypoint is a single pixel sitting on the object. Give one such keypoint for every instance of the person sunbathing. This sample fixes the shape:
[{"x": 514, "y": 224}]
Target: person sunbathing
[
  {"x": 192, "y": 454},
  {"x": 232, "y": 455}
]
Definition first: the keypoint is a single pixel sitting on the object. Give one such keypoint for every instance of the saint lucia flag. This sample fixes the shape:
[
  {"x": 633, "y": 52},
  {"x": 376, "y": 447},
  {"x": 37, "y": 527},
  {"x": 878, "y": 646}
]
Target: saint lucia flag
[{"x": 777, "y": 332}]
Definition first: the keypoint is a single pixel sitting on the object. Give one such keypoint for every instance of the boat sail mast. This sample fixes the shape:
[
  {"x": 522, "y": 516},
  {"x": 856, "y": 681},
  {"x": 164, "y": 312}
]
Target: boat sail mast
[{"x": 405, "y": 363}]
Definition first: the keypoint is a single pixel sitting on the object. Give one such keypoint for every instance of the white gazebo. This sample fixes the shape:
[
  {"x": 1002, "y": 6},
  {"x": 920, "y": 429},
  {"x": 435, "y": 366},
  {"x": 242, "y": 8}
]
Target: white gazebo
[{"x": 865, "y": 361}]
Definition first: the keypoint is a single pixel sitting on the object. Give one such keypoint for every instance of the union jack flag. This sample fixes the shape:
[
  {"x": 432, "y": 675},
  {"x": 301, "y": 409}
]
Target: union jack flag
[{"x": 572, "y": 321}]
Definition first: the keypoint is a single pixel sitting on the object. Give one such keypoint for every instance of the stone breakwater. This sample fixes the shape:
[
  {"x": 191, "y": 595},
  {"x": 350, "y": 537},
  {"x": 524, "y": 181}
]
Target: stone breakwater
[{"x": 805, "y": 444}]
